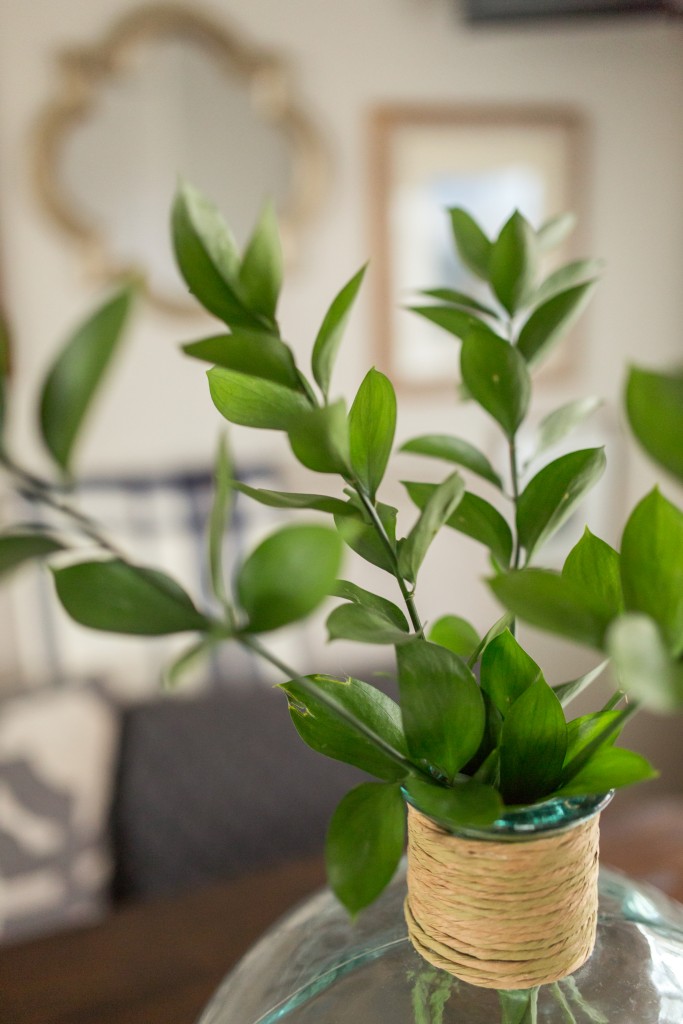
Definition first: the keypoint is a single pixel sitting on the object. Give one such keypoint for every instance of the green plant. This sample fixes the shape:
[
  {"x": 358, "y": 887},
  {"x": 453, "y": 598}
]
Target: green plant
[{"x": 461, "y": 745}]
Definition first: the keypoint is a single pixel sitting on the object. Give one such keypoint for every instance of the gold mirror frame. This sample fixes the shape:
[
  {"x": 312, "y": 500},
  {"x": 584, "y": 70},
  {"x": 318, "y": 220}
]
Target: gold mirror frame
[{"x": 84, "y": 71}]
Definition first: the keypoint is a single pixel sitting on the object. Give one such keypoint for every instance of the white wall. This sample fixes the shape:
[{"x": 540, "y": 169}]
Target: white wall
[{"x": 626, "y": 77}]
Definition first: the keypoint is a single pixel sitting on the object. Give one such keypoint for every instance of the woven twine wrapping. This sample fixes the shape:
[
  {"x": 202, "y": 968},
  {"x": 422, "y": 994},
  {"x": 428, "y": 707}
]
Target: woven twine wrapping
[{"x": 503, "y": 915}]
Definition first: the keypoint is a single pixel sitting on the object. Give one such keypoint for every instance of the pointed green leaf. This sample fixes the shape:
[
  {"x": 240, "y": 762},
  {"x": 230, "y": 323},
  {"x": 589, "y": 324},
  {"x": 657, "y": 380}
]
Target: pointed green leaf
[
  {"x": 459, "y": 299},
  {"x": 117, "y": 597},
  {"x": 497, "y": 378},
  {"x": 456, "y": 321},
  {"x": 550, "y": 321},
  {"x": 437, "y": 510},
  {"x": 173, "y": 673},
  {"x": 260, "y": 275},
  {"x": 512, "y": 263},
  {"x": 465, "y": 804},
  {"x": 453, "y": 449},
  {"x": 254, "y": 353},
  {"x": 533, "y": 743},
  {"x": 17, "y": 548},
  {"x": 498, "y": 627},
  {"x": 610, "y": 768},
  {"x": 372, "y": 423},
  {"x": 588, "y": 734},
  {"x": 455, "y": 633},
  {"x": 568, "y": 276},
  {"x": 441, "y": 704},
  {"x": 219, "y": 518},
  {"x": 654, "y": 404},
  {"x": 566, "y": 692},
  {"x": 321, "y": 727},
  {"x": 208, "y": 260},
  {"x": 373, "y": 602},
  {"x": 474, "y": 248},
  {"x": 474, "y": 517},
  {"x": 76, "y": 375},
  {"x": 557, "y": 424},
  {"x": 594, "y": 567},
  {"x": 364, "y": 625},
  {"x": 652, "y": 565},
  {"x": 551, "y": 602},
  {"x": 290, "y": 499},
  {"x": 506, "y": 671},
  {"x": 253, "y": 402},
  {"x": 332, "y": 330},
  {"x": 320, "y": 439},
  {"x": 644, "y": 667},
  {"x": 549, "y": 498},
  {"x": 365, "y": 843},
  {"x": 555, "y": 230},
  {"x": 288, "y": 575},
  {"x": 363, "y": 538}
]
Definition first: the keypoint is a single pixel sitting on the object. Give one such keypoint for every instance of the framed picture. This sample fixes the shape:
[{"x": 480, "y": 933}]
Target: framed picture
[{"x": 490, "y": 161}]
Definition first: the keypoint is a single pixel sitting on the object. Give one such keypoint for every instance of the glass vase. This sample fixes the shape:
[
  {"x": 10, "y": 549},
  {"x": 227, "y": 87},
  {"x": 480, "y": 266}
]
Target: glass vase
[{"x": 317, "y": 967}]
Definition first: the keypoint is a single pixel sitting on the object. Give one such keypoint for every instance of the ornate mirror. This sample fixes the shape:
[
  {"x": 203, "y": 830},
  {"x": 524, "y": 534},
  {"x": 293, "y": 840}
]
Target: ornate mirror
[{"x": 170, "y": 94}]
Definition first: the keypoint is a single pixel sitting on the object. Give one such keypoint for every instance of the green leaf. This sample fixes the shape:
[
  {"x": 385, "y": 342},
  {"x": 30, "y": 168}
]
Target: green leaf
[
  {"x": 441, "y": 704},
  {"x": 464, "y": 804},
  {"x": 253, "y": 402},
  {"x": 219, "y": 518},
  {"x": 363, "y": 538},
  {"x": 291, "y": 499},
  {"x": 5, "y": 364},
  {"x": 566, "y": 692},
  {"x": 372, "y": 423},
  {"x": 321, "y": 727},
  {"x": 319, "y": 439},
  {"x": 652, "y": 565},
  {"x": 497, "y": 378},
  {"x": 455, "y": 633},
  {"x": 512, "y": 263},
  {"x": 455, "y": 321},
  {"x": 566, "y": 277},
  {"x": 117, "y": 597},
  {"x": 255, "y": 353},
  {"x": 17, "y": 548},
  {"x": 373, "y": 602},
  {"x": 643, "y": 665},
  {"x": 588, "y": 734},
  {"x": 208, "y": 260},
  {"x": 610, "y": 768},
  {"x": 594, "y": 567},
  {"x": 549, "y": 498},
  {"x": 474, "y": 517},
  {"x": 437, "y": 510},
  {"x": 474, "y": 248},
  {"x": 503, "y": 623},
  {"x": 533, "y": 743},
  {"x": 551, "y": 602},
  {"x": 550, "y": 321},
  {"x": 654, "y": 405},
  {"x": 555, "y": 230},
  {"x": 459, "y": 299},
  {"x": 76, "y": 375},
  {"x": 287, "y": 576},
  {"x": 453, "y": 449},
  {"x": 173, "y": 673},
  {"x": 260, "y": 275},
  {"x": 365, "y": 843},
  {"x": 557, "y": 424},
  {"x": 332, "y": 330},
  {"x": 506, "y": 671},
  {"x": 364, "y": 625}
]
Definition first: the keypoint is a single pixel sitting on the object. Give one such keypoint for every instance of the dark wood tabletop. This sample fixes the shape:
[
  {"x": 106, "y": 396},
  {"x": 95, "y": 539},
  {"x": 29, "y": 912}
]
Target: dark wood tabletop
[{"x": 159, "y": 962}]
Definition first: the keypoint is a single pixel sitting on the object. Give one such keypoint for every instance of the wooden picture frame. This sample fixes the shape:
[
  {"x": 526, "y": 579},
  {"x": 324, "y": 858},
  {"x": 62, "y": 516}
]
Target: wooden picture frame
[{"x": 489, "y": 160}]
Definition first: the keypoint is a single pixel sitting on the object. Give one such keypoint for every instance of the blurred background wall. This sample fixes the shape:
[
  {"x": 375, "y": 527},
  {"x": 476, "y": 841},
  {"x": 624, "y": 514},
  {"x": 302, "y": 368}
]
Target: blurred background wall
[{"x": 623, "y": 76}]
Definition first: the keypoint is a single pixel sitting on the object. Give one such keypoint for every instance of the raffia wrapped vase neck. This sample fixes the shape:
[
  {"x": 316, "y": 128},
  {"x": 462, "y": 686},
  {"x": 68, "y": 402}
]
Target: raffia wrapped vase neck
[{"x": 503, "y": 914}]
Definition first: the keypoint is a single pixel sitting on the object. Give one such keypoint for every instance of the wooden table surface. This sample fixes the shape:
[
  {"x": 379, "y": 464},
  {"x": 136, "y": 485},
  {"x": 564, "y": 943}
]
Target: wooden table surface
[{"x": 159, "y": 962}]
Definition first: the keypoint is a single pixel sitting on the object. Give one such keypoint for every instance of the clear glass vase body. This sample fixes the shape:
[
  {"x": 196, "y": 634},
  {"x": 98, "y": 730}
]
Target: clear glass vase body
[{"x": 317, "y": 967}]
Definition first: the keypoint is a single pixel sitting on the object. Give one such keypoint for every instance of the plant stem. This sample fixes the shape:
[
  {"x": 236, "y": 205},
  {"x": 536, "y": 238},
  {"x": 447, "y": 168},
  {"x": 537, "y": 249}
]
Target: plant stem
[
  {"x": 311, "y": 690},
  {"x": 514, "y": 478},
  {"x": 407, "y": 594}
]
